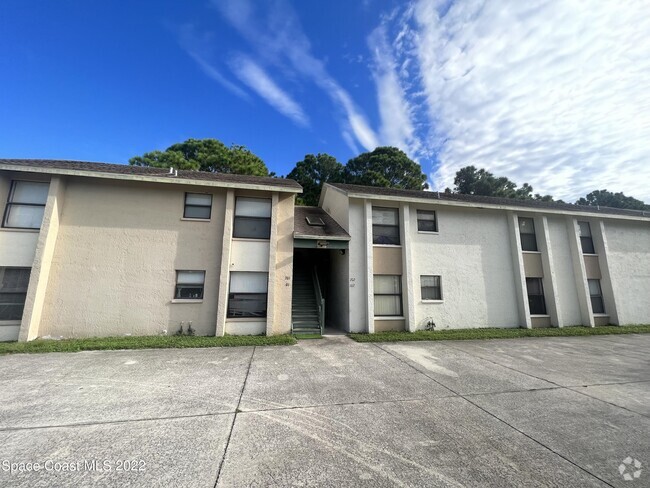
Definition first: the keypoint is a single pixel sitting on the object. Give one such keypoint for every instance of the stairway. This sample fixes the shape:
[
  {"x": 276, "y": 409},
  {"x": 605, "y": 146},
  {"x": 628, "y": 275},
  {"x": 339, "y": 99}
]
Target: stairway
[{"x": 304, "y": 307}]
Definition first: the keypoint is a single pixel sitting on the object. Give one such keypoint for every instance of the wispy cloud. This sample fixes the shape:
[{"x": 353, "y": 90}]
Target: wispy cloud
[
  {"x": 279, "y": 38},
  {"x": 553, "y": 92},
  {"x": 197, "y": 47},
  {"x": 396, "y": 113},
  {"x": 258, "y": 80}
]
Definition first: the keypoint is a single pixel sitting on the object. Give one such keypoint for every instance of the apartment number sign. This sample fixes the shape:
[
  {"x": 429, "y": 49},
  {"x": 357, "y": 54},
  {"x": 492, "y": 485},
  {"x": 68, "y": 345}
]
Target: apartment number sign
[{"x": 352, "y": 282}]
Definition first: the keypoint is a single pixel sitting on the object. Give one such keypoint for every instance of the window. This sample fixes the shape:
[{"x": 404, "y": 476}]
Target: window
[
  {"x": 25, "y": 205},
  {"x": 427, "y": 221},
  {"x": 197, "y": 206},
  {"x": 189, "y": 285},
  {"x": 247, "y": 297},
  {"x": 536, "y": 301},
  {"x": 385, "y": 226},
  {"x": 430, "y": 288},
  {"x": 586, "y": 241},
  {"x": 13, "y": 290},
  {"x": 388, "y": 295},
  {"x": 527, "y": 233},
  {"x": 252, "y": 218},
  {"x": 597, "y": 303}
]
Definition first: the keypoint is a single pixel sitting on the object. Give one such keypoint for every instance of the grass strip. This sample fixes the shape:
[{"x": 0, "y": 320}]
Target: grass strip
[
  {"x": 140, "y": 342},
  {"x": 469, "y": 334}
]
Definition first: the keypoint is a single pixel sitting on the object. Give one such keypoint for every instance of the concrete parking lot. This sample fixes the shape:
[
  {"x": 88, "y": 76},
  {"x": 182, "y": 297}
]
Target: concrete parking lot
[{"x": 331, "y": 412}]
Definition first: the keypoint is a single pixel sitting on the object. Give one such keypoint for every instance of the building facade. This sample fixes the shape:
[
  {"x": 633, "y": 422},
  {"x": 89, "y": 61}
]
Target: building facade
[
  {"x": 90, "y": 249},
  {"x": 104, "y": 250},
  {"x": 422, "y": 260}
]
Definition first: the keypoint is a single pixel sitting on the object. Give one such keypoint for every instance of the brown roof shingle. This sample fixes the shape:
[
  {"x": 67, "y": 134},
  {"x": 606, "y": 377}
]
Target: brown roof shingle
[
  {"x": 124, "y": 169},
  {"x": 331, "y": 229},
  {"x": 478, "y": 200}
]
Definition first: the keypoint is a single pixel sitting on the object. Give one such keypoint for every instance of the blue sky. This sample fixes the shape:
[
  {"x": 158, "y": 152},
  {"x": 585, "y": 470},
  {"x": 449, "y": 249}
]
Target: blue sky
[{"x": 551, "y": 92}]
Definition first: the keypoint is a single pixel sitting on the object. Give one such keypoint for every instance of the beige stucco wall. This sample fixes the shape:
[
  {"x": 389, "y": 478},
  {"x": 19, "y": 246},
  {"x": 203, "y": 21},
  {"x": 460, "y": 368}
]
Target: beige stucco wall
[
  {"x": 283, "y": 265},
  {"x": 387, "y": 260},
  {"x": 533, "y": 264},
  {"x": 592, "y": 268},
  {"x": 389, "y": 325},
  {"x": 113, "y": 270}
]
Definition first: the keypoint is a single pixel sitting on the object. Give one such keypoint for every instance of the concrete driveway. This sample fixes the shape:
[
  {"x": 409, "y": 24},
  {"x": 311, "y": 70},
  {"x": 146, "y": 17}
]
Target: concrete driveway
[{"x": 331, "y": 412}]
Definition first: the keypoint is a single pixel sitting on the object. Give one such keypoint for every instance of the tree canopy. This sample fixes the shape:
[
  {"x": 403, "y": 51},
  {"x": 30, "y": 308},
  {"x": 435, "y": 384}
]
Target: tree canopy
[
  {"x": 312, "y": 172},
  {"x": 386, "y": 167},
  {"x": 204, "y": 155},
  {"x": 606, "y": 198},
  {"x": 472, "y": 181}
]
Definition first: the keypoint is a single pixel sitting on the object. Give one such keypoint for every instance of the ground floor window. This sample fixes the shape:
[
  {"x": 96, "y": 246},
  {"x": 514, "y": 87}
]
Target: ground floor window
[
  {"x": 388, "y": 295},
  {"x": 596, "y": 294},
  {"x": 248, "y": 294},
  {"x": 189, "y": 285},
  {"x": 430, "y": 288},
  {"x": 536, "y": 301},
  {"x": 13, "y": 291}
]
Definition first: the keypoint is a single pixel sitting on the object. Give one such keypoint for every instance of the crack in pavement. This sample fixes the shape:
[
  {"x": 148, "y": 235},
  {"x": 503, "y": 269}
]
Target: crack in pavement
[{"x": 497, "y": 417}]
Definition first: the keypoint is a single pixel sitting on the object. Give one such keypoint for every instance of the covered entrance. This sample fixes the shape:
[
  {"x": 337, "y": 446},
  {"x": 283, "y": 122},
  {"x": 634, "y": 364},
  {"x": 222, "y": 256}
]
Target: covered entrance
[{"x": 320, "y": 253}]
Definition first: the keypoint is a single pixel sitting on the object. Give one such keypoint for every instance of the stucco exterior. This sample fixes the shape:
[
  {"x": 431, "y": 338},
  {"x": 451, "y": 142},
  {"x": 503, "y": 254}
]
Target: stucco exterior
[
  {"x": 477, "y": 252},
  {"x": 104, "y": 261}
]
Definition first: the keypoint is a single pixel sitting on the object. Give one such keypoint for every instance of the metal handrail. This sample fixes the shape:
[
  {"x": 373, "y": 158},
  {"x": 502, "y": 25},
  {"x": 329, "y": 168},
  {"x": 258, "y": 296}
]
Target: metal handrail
[{"x": 319, "y": 300}]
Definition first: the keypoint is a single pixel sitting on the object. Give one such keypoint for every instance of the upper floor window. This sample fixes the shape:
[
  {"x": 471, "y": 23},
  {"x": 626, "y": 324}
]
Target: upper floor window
[
  {"x": 252, "y": 218},
  {"x": 26, "y": 205},
  {"x": 527, "y": 234},
  {"x": 427, "y": 221},
  {"x": 13, "y": 290},
  {"x": 586, "y": 241},
  {"x": 189, "y": 285},
  {"x": 198, "y": 206},
  {"x": 385, "y": 226}
]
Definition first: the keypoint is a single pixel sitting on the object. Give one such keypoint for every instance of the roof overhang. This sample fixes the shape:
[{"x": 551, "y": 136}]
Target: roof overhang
[{"x": 167, "y": 179}]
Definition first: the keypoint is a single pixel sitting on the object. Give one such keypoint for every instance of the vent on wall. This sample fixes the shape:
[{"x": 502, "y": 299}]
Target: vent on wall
[{"x": 315, "y": 221}]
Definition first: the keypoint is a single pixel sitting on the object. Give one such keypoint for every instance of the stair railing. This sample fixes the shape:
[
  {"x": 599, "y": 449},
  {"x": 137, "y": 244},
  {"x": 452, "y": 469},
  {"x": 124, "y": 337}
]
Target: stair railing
[{"x": 319, "y": 300}]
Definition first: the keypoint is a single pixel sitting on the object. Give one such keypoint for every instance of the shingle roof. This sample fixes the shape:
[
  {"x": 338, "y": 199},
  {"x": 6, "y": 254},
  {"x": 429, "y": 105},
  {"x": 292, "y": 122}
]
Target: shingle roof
[
  {"x": 479, "y": 200},
  {"x": 124, "y": 169},
  {"x": 331, "y": 229}
]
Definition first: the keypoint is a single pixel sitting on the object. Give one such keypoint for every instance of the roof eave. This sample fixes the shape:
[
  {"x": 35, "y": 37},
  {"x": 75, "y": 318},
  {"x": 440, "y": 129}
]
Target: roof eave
[{"x": 152, "y": 179}]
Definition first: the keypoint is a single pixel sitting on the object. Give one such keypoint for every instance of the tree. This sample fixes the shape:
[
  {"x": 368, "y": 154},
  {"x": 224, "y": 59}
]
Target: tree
[
  {"x": 606, "y": 198},
  {"x": 312, "y": 172},
  {"x": 204, "y": 155},
  {"x": 386, "y": 167},
  {"x": 472, "y": 181}
]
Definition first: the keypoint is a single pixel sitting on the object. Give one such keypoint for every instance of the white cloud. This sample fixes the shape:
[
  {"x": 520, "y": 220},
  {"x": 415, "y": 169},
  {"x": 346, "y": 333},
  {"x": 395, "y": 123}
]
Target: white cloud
[
  {"x": 258, "y": 80},
  {"x": 280, "y": 40},
  {"x": 396, "y": 125},
  {"x": 553, "y": 93}
]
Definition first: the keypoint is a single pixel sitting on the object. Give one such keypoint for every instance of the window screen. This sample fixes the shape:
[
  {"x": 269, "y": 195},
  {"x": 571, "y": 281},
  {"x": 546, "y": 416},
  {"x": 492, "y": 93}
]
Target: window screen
[
  {"x": 252, "y": 218},
  {"x": 26, "y": 205},
  {"x": 385, "y": 226}
]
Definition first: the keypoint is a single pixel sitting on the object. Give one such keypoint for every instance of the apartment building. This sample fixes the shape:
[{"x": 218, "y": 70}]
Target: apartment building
[
  {"x": 92, "y": 249},
  {"x": 421, "y": 260}
]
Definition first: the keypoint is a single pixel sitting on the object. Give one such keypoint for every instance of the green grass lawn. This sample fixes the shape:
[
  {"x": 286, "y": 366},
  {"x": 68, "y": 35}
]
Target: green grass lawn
[
  {"x": 143, "y": 342},
  {"x": 466, "y": 334}
]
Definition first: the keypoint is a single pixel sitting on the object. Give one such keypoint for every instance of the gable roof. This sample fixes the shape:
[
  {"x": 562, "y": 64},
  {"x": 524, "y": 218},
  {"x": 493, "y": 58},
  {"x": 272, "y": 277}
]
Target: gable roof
[
  {"x": 482, "y": 201},
  {"x": 124, "y": 171},
  {"x": 331, "y": 229}
]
